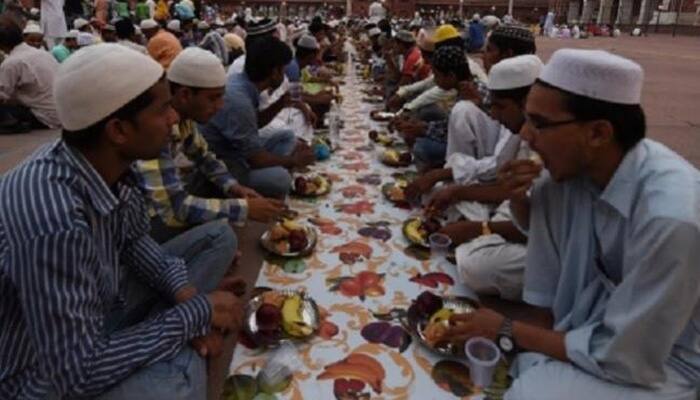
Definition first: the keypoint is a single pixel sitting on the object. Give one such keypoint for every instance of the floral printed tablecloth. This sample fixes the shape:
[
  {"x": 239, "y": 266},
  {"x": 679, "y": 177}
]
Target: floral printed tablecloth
[{"x": 361, "y": 267}]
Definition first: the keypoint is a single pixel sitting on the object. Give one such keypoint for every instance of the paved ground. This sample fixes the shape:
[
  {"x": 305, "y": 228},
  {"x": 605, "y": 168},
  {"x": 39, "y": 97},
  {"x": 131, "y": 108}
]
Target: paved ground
[{"x": 671, "y": 96}]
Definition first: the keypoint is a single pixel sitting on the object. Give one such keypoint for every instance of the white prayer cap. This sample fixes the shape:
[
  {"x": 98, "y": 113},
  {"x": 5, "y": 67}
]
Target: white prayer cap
[
  {"x": 199, "y": 68},
  {"x": 80, "y": 23},
  {"x": 202, "y": 25},
  {"x": 174, "y": 25},
  {"x": 98, "y": 80},
  {"x": 515, "y": 72},
  {"x": 34, "y": 11},
  {"x": 596, "y": 74},
  {"x": 374, "y": 32},
  {"x": 85, "y": 39},
  {"x": 72, "y": 34},
  {"x": 31, "y": 28},
  {"x": 308, "y": 42},
  {"x": 148, "y": 24}
]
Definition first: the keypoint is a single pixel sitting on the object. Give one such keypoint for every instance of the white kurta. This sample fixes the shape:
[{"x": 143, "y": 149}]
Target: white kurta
[{"x": 53, "y": 20}]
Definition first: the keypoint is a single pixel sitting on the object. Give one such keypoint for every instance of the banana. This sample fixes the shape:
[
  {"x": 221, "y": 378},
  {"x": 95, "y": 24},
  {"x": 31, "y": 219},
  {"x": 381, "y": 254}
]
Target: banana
[
  {"x": 441, "y": 316},
  {"x": 342, "y": 369},
  {"x": 391, "y": 156},
  {"x": 413, "y": 233},
  {"x": 368, "y": 362},
  {"x": 292, "y": 322},
  {"x": 290, "y": 225}
]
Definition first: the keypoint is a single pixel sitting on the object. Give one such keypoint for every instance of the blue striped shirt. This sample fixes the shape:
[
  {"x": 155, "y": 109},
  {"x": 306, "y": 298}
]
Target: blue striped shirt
[{"x": 65, "y": 241}]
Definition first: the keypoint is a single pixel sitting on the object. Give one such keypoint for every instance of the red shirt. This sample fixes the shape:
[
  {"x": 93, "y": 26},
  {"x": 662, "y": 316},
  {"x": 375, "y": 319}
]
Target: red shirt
[{"x": 414, "y": 65}]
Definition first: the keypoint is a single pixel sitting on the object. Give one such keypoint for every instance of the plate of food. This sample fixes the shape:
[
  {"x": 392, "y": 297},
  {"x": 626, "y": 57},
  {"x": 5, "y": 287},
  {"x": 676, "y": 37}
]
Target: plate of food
[
  {"x": 417, "y": 230},
  {"x": 394, "y": 158},
  {"x": 277, "y": 315},
  {"x": 383, "y": 137},
  {"x": 394, "y": 191},
  {"x": 428, "y": 319},
  {"x": 289, "y": 238},
  {"x": 381, "y": 116},
  {"x": 373, "y": 99},
  {"x": 311, "y": 185}
]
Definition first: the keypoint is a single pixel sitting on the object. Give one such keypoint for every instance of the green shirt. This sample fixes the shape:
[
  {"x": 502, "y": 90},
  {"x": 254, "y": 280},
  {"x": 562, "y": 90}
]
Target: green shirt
[{"x": 60, "y": 53}]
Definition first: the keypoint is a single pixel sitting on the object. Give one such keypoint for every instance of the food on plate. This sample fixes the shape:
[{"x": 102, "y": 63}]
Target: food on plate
[
  {"x": 382, "y": 138},
  {"x": 279, "y": 314},
  {"x": 311, "y": 186},
  {"x": 288, "y": 236},
  {"x": 394, "y": 191},
  {"x": 357, "y": 366},
  {"x": 381, "y": 116},
  {"x": 418, "y": 230},
  {"x": 394, "y": 158}
]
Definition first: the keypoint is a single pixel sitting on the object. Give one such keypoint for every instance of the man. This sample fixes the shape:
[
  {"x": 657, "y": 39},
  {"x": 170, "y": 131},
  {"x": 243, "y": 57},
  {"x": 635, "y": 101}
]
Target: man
[
  {"x": 476, "y": 34},
  {"x": 64, "y": 50},
  {"x": 108, "y": 33},
  {"x": 469, "y": 120},
  {"x": 412, "y": 69},
  {"x": 197, "y": 81},
  {"x": 53, "y": 21},
  {"x": 490, "y": 252},
  {"x": 26, "y": 84},
  {"x": 214, "y": 42},
  {"x": 612, "y": 244},
  {"x": 377, "y": 11},
  {"x": 92, "y": 306},
  {"x": 149, "y": 28},
  {"x": 126, "y": 33},
  {"x": 163, "y": 46},
  {"x": 33, "y": 36},
  {"x": 233, "y": 132}
]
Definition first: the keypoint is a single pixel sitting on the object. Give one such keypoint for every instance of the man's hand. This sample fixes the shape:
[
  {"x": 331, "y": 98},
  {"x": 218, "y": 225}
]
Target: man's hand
[
  {"x": 483, "y": 322},
  {"x": 303, "y": 157},
  {"x": 517, "y": 177},
  {"x": 394, "y": 103},
  {"x": 441, "y": 200},
  {"x": 243, "y": 192},
  {"x": 210, "y": 345},
  {"x": 462, "y": 231},
  {"x": 264, "y": 210},
  {"x": 233, "y": 284},
  {"x": 309, "y": 115},
  {"x": 226, "y": 310},
  {"x": 420, "y": 185}
]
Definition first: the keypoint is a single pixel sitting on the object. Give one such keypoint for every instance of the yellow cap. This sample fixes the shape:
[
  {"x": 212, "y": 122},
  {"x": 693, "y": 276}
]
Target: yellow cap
[{"x": 445, "y": 32}]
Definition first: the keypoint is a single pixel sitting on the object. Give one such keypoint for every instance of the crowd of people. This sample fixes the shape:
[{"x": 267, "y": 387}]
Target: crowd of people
[{"x": 117, "y": 253}]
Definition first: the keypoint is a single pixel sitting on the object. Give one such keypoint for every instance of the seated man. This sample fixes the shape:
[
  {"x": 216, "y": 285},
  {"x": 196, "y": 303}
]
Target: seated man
[
  {"x": 197, "y": 81},
  {"x": 468, "y": 121},
  {"x": 233, "y": 132},
  {"x": 613, "y": 234},
  {"x": 26, "y": 83},
  {"x": 490, "y": 251},
  {"x": 92, "y": 307},
  {"x": 475, "y": 133}
]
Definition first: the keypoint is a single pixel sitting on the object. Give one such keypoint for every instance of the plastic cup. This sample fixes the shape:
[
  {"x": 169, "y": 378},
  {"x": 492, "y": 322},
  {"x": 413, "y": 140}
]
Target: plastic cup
[
  {"x": 439, "y": 244},
  {"x": 295, "y": 91},
  {"x": 483, "y": 355},
  {"x": 280, "y": 366}
]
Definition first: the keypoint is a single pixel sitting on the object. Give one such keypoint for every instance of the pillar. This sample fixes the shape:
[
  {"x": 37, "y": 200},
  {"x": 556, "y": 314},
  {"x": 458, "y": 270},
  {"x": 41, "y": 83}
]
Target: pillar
[
  {"x": 587, "y": 13},
  {"x": 573, "y": 12}
]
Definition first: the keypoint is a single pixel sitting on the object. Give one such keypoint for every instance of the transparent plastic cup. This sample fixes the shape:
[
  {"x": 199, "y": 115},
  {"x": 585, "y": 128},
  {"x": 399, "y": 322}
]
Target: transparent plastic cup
[
  {"x": 483, "y": 355},
  {"x": 295, "y": 91},
  {"x": 280, "y": 366},
  {"x": 439, "y": 244}
]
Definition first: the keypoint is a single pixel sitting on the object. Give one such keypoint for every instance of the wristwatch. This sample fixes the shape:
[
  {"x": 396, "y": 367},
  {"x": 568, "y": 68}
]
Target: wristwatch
[{"x": 504, "y": 339}]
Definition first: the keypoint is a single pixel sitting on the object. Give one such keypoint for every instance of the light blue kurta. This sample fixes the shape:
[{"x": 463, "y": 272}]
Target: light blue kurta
[{"x": 620, "y": 269}]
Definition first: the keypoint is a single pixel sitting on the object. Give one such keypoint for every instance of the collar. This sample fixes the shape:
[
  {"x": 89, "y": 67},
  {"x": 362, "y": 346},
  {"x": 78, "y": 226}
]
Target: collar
[
  {"x": 20, "y": 48},
  {"x": 620, "y": 191},
  {"x": 102, "y": 197}
]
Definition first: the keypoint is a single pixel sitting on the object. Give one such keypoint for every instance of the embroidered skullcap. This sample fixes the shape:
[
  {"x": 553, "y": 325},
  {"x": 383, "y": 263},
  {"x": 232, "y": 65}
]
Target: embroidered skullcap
[{"x": 595, "y": 74}]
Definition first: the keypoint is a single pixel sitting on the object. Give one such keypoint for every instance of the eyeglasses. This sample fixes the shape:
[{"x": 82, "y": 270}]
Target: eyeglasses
[{"x": 544, "y": 125}]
